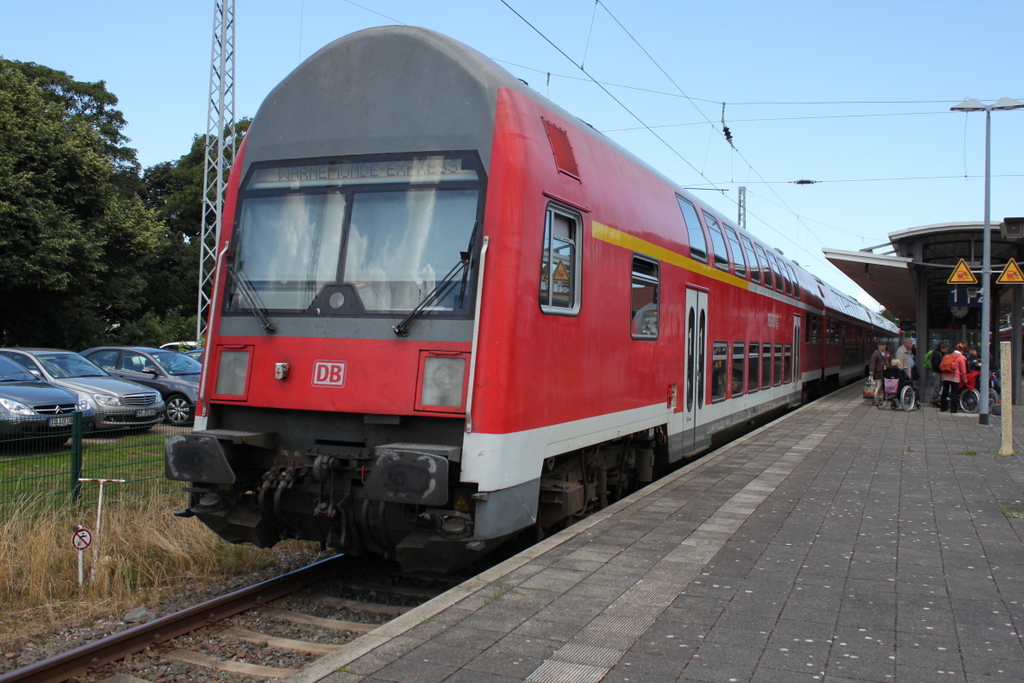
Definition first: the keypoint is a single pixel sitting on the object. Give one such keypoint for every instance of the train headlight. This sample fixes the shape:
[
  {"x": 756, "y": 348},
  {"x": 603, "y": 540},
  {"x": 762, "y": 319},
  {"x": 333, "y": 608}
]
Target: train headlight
[
  {"x": 232, "y": 371},
  {"x": 443, "y": 381}
]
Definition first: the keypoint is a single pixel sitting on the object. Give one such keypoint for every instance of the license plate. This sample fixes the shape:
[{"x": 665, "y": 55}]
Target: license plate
[
  {"x": 145, "y": 413},
  {"x": 59, "y": 421}
]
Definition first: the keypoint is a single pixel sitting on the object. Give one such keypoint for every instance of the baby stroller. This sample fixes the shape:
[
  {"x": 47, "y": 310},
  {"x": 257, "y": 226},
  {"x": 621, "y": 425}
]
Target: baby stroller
[{"x": 897, "y": 390}]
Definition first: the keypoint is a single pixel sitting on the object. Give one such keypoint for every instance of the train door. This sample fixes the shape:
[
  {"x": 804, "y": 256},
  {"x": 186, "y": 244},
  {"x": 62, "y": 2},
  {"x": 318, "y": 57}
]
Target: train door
[
  {"x": 797, "y": 343},
  {"x": 695, "y": 360}
]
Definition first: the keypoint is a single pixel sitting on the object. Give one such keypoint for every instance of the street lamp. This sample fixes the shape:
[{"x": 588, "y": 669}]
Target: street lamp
[{"x": 972, "y": 104}]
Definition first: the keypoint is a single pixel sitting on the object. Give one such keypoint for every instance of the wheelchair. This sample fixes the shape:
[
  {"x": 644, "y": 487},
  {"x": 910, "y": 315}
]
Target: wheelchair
[{"x": 897, "y": 392}]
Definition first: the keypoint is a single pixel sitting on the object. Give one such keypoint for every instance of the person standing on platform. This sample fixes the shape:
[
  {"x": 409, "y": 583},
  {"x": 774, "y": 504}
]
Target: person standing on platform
[
  {"x": 905, "y": 355},
  {"x": 877, "y": 365},
  {"x": 954, "y": 375}
]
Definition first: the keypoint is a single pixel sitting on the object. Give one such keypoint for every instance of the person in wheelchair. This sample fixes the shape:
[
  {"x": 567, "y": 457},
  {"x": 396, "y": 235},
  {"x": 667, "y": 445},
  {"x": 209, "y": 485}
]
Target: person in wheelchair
[{"x": 894, "y": 378}]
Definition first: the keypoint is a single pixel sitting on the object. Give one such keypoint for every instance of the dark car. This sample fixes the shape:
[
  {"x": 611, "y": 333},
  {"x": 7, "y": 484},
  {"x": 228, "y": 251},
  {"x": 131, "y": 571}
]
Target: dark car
[
  {"x": 173, "y": 374},
  {"x": 195, "y": 353},
  {"x": 118, "y": 403},
  {"x": 33, "y": 409}
]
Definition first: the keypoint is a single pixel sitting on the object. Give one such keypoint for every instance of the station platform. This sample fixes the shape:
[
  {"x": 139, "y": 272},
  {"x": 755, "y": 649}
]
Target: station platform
[{"x": 838, "y": 543}]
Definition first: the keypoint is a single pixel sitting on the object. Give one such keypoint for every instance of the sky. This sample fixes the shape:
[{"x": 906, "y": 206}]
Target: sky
[{"x": 855, "y": 96}]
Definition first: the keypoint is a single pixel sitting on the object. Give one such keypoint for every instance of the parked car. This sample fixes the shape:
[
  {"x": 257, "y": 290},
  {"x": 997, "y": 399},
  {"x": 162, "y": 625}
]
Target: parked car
[
  {"x": 118, "y": 403},
  {"x": 180, "y": 346},
  {"x": 195, "y": 353},
  {"x": 36, "y": 410},
  {"x": 173, "y": 374}
]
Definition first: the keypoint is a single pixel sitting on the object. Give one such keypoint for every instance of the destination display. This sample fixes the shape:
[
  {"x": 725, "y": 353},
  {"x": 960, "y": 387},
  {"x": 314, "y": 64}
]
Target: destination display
[{"x": 428, "y": 169}]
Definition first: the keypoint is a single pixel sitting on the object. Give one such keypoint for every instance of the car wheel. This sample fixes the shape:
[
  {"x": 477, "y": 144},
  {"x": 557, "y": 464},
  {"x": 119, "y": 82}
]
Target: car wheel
[{"x": 179, "y": 410}]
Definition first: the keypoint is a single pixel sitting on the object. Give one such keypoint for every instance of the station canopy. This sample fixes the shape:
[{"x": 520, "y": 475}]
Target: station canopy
[{"x": 894, "y": 273}]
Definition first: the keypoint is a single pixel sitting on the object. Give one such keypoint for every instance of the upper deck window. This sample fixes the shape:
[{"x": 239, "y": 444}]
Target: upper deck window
[
  {"x": 738, "y": 260},
  {"x": 694, "y": 231},
  {"x": 718, "y": 242},
  {"x": 356, "y": 236},
  {"x": 766, "y": 270},
  {"x": 755, "y": 268}
]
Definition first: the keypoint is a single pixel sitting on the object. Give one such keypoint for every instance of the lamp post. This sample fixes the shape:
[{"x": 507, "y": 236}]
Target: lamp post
[{"x": 972, "y": 104}]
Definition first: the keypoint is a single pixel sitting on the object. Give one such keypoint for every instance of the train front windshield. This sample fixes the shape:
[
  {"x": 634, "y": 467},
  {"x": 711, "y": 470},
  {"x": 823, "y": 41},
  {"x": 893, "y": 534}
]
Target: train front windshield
[{"x": 351, "y": 237}]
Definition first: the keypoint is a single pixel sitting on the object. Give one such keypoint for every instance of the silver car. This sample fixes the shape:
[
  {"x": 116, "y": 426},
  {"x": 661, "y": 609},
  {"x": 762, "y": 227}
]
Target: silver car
[{"x": 118, "y": 403}]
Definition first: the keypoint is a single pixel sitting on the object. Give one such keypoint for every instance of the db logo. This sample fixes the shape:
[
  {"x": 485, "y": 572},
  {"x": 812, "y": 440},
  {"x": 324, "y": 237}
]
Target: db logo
[{"x": 329, "y": 373}]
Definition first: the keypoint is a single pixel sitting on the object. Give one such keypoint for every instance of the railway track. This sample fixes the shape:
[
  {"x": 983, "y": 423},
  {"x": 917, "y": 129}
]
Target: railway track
[{"x": 267, "y": 631}]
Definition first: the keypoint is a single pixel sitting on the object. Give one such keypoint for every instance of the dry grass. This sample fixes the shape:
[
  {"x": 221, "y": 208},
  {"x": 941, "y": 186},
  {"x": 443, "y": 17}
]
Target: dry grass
[{"x": 143, "y": 554}]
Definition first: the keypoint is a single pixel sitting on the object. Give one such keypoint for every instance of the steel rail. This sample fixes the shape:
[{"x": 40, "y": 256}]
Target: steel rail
[{"x": 120, "y": 645}]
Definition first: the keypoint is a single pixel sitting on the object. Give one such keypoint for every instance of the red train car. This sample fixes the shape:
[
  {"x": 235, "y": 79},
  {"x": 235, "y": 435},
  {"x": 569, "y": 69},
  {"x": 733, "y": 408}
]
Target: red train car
[{"x": 447, "y": 311}]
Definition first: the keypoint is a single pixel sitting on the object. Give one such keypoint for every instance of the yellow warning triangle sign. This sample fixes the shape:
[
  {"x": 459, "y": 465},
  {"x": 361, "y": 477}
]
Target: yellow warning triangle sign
[
  {"x": 561, "y": 273},
  {"x": 962, "y": 275},
  {"x": 1011, "y": 274}
]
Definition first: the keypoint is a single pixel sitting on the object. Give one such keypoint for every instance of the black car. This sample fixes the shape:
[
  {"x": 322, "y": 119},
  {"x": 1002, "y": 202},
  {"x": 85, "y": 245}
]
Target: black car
[
  {"x": 33, "y": 409},
  {"x": 173, "y": 374}
]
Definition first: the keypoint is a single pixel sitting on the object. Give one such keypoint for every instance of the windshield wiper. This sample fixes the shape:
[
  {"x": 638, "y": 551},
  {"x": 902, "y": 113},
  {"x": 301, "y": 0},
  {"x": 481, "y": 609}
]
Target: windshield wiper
[
  {"x": 245, "y": 287},
  {"x": 442, "y": 287}
]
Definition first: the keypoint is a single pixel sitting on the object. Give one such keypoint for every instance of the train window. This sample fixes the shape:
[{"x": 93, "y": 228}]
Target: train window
[
  {"x": 796, "y": 283},
  {"x": 739, "y": 358},
  {"x": 644, "y": 299},
  {"x": 738, "y": 260},
  {"x": 719, "y": 370},
  {"x": 778, "y": 364},
  {"x": 753, "y": 363},
  {"x": 717, "y": 242},
  {"x": 695, "y": 233},
  {"x": 813, "y": 329},
  {"x": 831, "y": 331},
  {"x": 356, "y": 236},
  {"x": 560, "y": 267},
  {"x": 755, "y": 268},
  {"x": 776, "y": 271},
  {"x": 785, "y": 276},
  {"x": 787, "y": 364},
  {"x": 766, "y": 366},
  {"x": 766, "y": 270},
  {"x": 702, "y": 347},
  {"x": 691, "y": 340}
]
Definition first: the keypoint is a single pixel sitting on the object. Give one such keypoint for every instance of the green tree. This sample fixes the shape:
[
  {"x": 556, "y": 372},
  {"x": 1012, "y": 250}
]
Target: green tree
[
  {"x": 73, "y": 231},
  {"x": 174, "y": 191}
]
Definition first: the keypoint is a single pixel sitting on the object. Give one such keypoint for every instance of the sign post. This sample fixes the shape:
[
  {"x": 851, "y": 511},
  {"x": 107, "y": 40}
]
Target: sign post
[
  {"x": 99, "y": 516},
  {"x": 81, "y": 538}
]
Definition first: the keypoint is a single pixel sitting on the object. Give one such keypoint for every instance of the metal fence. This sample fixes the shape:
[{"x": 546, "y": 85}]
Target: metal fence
[{"x": 43, "y": 467}]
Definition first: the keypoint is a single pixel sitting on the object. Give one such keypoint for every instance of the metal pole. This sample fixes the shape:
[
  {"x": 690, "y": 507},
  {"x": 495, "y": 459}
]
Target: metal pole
[{"x": 986, "y": 280}]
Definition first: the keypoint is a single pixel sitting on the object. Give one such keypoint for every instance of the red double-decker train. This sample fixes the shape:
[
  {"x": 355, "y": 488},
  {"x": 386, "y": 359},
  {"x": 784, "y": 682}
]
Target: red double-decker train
[{"x": 447, "y": 312}]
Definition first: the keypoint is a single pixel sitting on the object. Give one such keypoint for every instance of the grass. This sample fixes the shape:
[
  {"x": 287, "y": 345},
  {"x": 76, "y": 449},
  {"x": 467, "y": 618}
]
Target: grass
[
  {"x": 500, "y": 588},
  {"x": 142, "y": 555},
  {"x": 1012, "y": 510}
]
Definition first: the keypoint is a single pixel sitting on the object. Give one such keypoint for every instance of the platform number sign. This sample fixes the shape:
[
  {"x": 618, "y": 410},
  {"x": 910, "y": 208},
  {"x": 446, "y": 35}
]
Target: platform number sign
[{"x": 81, "y": 538}]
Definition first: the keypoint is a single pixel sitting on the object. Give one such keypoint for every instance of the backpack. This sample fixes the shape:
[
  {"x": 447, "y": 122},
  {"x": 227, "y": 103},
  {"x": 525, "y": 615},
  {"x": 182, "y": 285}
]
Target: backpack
[
  {"x": 948, "y": 364},
  {"x": 928, "y": 359}
]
